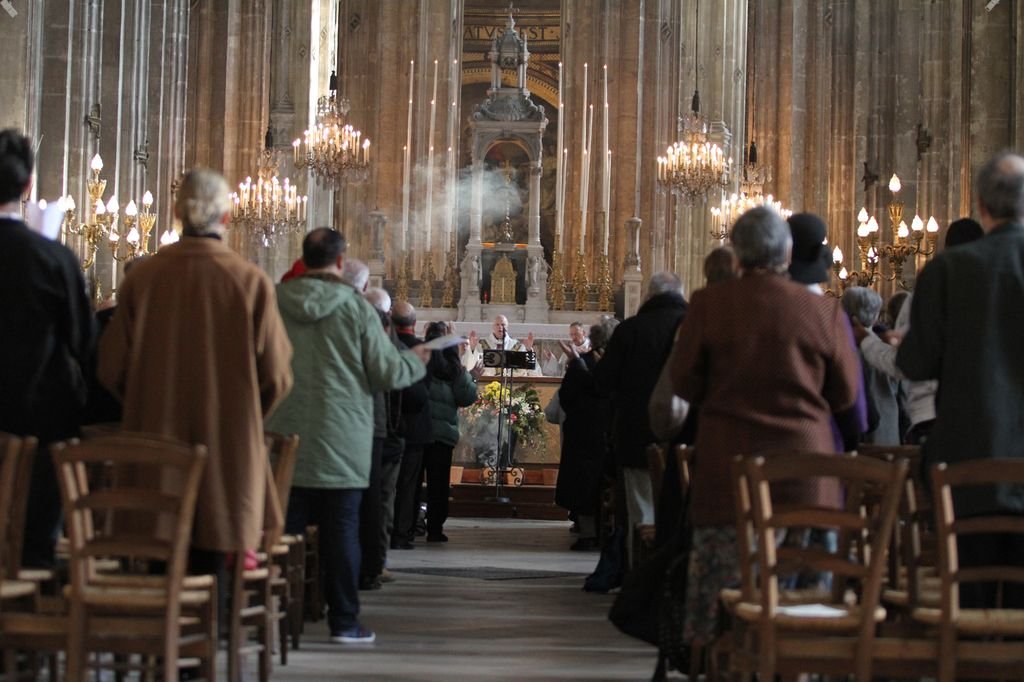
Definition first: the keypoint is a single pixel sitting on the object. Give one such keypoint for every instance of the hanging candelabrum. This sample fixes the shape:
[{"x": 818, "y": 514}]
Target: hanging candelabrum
[
  {"x": 333, "y": 150},
  {"x": 427, "y": 277},
  {"x": 403, "y": 277},
  {"x": 138, "y": 227},
  {"x": 556, "y": 282},
  {"x": 580, "y": 283},
  {"x": 604, "y": 283},
  {"x": 268, "y": 208},
  {"x": 451, "y": 277},
  {"x": 731, "y": 208},
  {"x": 694, "y": 165}
]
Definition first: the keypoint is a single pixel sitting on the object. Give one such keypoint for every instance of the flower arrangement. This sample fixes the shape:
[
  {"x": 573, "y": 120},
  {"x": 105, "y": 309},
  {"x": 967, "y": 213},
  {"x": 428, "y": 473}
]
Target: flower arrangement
[{"x": 525, "y": 416}]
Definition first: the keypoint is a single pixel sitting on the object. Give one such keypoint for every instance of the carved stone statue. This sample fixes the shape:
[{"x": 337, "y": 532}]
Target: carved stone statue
[{"x": 533, "y": 271}]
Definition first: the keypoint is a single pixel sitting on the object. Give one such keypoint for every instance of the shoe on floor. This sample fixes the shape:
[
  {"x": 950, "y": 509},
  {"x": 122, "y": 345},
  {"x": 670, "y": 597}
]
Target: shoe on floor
[
  {"x": 437, "y": 537},
  {"x": 369, "y": 582},
  {"x": 403, "y": 545},
  {"x": 356, "y": 634},
  {"x": 387, "y": 576}
]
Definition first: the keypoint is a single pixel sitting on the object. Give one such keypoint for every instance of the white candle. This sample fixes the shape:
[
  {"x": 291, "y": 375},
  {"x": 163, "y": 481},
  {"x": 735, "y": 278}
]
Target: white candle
[
  {"x": 560, "y": 167},
  {"x": 606, "y": 160},
  {"x": 430, "y": 162},
  {"x": 452, "y": 132},
  {"x": 583, "y": 162},
  {"x": 589, "y": 125},
  {"x": 406, "y": 170},
  {"x": 607, "y": 192},
  {"x": 561, "y": 201}
]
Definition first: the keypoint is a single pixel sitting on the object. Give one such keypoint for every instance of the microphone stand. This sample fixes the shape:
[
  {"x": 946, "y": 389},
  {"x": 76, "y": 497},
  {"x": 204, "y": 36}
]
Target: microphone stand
[{"x": 504, "y": 410}]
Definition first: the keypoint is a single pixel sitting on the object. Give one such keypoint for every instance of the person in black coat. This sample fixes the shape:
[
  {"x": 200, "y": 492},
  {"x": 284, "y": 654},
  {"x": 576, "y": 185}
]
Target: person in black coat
[
  {"x": 417, "y": 432},
  {"x": 584, "y": 440},
  {"x": 45, "y": 343},
  {"x": 628, "y": 372}
]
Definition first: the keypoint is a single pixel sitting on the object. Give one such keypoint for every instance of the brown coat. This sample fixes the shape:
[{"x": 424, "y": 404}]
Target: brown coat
[
  {"x": 768, "y": 362},
  {"x": 197, "y": 351}
]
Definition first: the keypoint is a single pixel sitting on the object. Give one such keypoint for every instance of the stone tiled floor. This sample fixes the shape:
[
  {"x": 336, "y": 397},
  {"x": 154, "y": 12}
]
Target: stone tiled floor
[{"x": 434, "y": 627}]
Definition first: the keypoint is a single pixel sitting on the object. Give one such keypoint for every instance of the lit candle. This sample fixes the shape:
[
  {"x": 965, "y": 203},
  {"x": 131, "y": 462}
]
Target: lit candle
[
  {"x": 872, "y": 224},
  {"x": 902, "y": 232},
  {"x": 862, "y": 217},
  {"x": 933, "y": 226},
  {"x": 837, "y": 255},
  {"x": 894, "y": 184},
  {"x": 917, "y": 225},
  {"x": 96, "y": 164}
]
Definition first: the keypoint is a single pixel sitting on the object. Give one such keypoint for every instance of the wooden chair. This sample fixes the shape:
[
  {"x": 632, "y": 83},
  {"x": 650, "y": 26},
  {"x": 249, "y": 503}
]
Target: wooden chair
[
  {"x": 971, "y": 639},
  {"x": 912, "y": 573},
  {"x": 288, "y": 553},
  {"x": 147, "y": 502},
  {"x": 835, "y": 636}
]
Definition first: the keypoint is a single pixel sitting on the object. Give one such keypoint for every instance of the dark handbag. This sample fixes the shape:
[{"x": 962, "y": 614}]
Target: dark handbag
[{"x": 641, "y": 605}]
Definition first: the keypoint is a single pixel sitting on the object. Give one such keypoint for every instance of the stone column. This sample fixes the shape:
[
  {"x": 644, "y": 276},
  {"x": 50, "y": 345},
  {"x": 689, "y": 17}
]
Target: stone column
[
  {"x": 632, "y": 278},
  {"x": 471, "y": 268},
  {"x": 537, "y": 270}
]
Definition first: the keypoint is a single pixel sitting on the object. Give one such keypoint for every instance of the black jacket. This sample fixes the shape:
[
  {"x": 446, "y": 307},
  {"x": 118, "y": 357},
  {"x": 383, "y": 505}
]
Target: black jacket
[
  {"x": 584, "y": 437},
  {"x": 417, "y": 428},
  {"x": 46, "y": 335},
  {"x": 966, "y": 330},
  {"x": 629, "y": 370}
]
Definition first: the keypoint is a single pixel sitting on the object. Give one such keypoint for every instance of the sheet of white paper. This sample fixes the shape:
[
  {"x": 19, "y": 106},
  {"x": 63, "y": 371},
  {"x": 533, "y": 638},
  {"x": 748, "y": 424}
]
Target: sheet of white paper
[
  {"x": 442, "y": 342},
  {"x": 45, "y": 221},
  {"x": 812, "y": 611}
]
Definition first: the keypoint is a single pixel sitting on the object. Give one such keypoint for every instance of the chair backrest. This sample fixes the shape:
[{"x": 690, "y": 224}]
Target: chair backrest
[
  {"x": 867, "y": 529},
  {"x": 284, "y": 450},
  {"x": 146, "y": 497},
  {"x": 947, "y": 480},
  {"x": 14, "y": 537},
  {"x": 746, "y": 535}
]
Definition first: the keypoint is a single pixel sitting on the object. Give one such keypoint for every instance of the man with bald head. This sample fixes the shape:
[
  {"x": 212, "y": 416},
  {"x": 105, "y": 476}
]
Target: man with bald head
[
  {"x": 965, "y": 330},
  {"x": 499, "y": 339}
]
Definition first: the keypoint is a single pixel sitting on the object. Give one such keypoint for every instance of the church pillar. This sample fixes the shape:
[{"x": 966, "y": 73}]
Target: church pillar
[{"x": 537, "y": 271}]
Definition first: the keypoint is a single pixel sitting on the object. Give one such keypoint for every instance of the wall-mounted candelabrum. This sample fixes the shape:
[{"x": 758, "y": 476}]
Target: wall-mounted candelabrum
[
  {"x": 138, "y": 226},
  {"x": 907, "y": 243},
  {"x": 101, "y": 222}
]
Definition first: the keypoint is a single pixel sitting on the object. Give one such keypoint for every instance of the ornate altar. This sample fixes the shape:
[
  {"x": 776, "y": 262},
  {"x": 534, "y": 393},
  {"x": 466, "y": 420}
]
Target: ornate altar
[{"x": 506, "y": 130}]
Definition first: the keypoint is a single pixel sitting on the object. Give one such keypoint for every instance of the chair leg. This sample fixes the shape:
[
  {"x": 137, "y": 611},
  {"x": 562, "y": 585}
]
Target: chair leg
[
  {"x": 296, "y": 606},
  {"x": 76, "y": 645},
  {"x": 235, "y": 625}
]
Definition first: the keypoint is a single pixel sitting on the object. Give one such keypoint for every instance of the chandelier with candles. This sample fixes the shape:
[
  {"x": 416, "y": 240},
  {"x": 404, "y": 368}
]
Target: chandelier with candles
[
  {"x": 333, "y": 150},
  {"x": 731, "y": 208},
  {"x": 694, "y": 165},
  {"x": 268, "y": 207}
]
